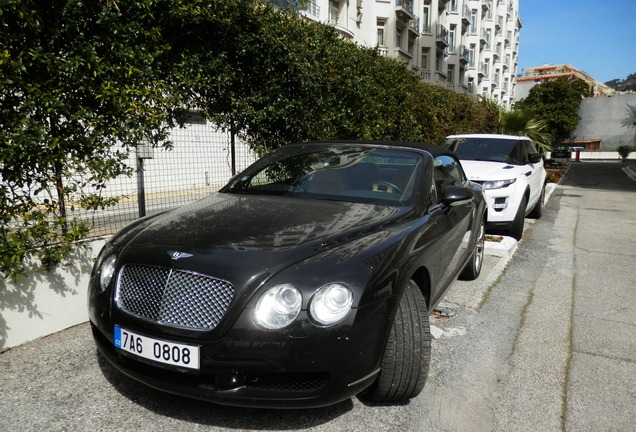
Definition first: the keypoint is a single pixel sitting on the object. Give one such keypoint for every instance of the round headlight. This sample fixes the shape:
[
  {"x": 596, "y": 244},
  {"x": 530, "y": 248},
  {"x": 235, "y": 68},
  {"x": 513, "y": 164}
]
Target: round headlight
[
  {"x": 107, "y": 271},
  {"x": 331, "y": 303},
  {"x": 278, "y": 307}
]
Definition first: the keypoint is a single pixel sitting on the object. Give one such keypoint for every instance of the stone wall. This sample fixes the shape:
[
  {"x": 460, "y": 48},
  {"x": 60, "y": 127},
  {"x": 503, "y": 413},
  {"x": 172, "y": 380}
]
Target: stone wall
[{"x": 601, "y": 118}]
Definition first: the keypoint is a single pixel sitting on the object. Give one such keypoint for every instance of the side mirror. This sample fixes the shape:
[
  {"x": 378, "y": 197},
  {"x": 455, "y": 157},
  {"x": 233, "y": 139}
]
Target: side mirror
[
  {"x": 457, "y": 195},
  {"x": 534, "y": 158}
]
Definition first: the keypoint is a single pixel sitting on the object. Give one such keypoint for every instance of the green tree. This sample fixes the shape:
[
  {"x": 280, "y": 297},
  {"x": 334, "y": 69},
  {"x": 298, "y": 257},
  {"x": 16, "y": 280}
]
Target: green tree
[
  {"x": 82, "y": 83},
  {"x": 74, "y": 97},
  {"x": 556, "y": 103}
]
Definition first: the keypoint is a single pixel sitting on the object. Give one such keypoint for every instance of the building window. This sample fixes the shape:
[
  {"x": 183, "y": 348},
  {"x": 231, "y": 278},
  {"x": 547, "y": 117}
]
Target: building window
[
  {"x": 425, "y": 57},
  {"x": 381, "y": 32},
  {"x": 426, "y": 19},
  {"x": 451, "y": 38},
  {"x": 398, "y": 37},
  {"x": 333, "y": 14},
  {"x": 471, "y": 56},
  {"x": 450, "y": 77},
  {"x": 452, "y": 5},
  {"x": 439, "y": 61},
  {"x": 473, "y": 21}
]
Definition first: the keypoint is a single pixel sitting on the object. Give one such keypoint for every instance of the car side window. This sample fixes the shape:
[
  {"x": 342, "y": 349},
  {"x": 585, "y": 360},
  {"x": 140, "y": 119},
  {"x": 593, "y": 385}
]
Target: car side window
[
  {"x": 530, "y": 149},
  {"x": 447, "y": 172}
]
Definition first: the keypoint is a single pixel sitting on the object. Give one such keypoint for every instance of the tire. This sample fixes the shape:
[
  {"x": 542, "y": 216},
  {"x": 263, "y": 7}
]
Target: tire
[
  {"x": 516, "y": 229},
  {"x": 407, "y": 354},
  {"x": 473, "y": 267},
  {"x": 537, "y": 211}
]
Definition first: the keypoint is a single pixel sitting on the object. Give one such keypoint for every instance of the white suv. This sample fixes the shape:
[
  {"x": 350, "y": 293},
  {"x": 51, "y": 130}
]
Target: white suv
[{"x": 510, "y": 170}]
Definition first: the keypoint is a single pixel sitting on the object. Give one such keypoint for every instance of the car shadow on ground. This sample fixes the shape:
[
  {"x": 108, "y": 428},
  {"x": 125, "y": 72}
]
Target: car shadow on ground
[{"x": 210, "y": 414}]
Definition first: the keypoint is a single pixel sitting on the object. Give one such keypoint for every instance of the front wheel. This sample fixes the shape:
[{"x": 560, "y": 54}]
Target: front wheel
[
  {"x": 537, "y": 211},
  {"x": 407, "y": 353},
  {"x": 516, "y": 230},
  {"x": 473, "y": 267}
]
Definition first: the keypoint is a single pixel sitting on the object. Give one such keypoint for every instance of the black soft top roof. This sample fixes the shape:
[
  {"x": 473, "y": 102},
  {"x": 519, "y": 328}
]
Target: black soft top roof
[{"x": 433, "y": 149}]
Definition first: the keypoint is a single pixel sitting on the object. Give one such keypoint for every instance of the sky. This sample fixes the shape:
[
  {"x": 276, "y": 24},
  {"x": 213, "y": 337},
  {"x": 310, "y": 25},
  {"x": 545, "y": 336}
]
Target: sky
[{"x": 595, "y": 36}]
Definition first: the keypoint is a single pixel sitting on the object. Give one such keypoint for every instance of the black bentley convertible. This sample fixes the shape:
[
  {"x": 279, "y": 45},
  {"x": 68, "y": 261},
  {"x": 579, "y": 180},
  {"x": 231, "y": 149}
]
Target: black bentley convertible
[{"x": 306, "y": 280}]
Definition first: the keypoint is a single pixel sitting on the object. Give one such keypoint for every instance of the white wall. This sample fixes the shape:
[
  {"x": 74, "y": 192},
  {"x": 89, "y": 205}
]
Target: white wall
[
  {"x": 43, "y": 302},
  {"x": 601, "y": 118}
]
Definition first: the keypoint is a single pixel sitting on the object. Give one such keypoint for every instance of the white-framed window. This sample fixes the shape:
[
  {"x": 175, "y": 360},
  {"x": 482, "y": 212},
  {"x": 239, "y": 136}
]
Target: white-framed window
[
  {"x": 439, "y": 61},
  {"x": 471, "y": 55},
  {"x": 333, "y": 13},
  {"x": 473, "y": 21},
  {"x": 381, "y": 25},
  {"x": 425, "y": 58},
  {"x": 450, "y": 75},
  {"x": 398, "y": 37},
  {"x": 451, "y": 38},
  {"x": 426, "y": 19}
]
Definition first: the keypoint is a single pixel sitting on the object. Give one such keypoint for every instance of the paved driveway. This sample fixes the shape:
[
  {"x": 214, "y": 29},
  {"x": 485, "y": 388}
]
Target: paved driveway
[{"x": 546, "y": 344}]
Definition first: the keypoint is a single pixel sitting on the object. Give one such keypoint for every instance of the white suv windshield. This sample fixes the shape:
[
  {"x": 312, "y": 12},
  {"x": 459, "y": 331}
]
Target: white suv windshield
[{"x": 487, "y": 149}]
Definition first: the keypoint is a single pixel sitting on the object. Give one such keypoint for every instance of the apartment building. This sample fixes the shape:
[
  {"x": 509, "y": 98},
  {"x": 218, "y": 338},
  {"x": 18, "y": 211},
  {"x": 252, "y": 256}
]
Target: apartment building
[
  {"x": 540, "y": 74},
  {"x": 470, "y": 46}
]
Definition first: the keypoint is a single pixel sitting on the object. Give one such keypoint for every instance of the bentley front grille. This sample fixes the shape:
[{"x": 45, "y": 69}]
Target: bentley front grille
[{"x": 173, "y": 297}]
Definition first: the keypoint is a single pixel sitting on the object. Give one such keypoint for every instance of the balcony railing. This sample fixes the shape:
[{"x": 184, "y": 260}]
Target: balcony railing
[
  {"x": 312, "y": 9},
  {"x": 441, "y": 35},
  {"x": 464, "y": 54},
  {"x": 404, "y": 10}
]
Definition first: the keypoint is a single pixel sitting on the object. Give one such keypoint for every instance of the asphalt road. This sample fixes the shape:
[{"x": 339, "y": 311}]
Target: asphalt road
[{"x": 541, "y": 342}]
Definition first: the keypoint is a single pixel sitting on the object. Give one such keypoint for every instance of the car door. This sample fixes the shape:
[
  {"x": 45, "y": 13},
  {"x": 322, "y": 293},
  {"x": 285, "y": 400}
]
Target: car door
[{"x": 454, "y": 222}]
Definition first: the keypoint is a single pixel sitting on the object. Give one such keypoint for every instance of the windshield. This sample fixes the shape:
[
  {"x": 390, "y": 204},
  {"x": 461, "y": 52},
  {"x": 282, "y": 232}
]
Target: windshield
[
  {"x": 357, "y": 174},
  {"x": 487, "y": 149}
]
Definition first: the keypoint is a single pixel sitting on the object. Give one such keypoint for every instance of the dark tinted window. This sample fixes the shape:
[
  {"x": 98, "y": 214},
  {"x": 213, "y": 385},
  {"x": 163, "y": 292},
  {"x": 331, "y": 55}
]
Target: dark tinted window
[
  {"x": 353, "y": 174},
  {"x": 447, "y": 172},
  {"x": 490, "y": 149}
]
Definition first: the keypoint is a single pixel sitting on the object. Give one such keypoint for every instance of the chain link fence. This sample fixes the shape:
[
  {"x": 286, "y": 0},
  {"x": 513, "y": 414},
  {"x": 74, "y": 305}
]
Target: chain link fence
[{"x": 201, "y": 161}]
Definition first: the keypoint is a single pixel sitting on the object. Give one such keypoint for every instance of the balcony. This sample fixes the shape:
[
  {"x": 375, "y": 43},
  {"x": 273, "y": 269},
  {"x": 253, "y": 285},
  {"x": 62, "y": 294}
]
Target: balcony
[
  {"x": 425, "y": 75},
  {"x": 484, "y": 38},
  {"x": 483, "y": 69},
  {"x": 344, "y": 32},
  {"x": 404, "y": 10},
  {"x": 414, "y": 27},
  {"x": 466, "y": 14},
  {"x": 464, "y": 54},
  {"x": 441, "y": 36},
  {"x": 312, "y": 10}
]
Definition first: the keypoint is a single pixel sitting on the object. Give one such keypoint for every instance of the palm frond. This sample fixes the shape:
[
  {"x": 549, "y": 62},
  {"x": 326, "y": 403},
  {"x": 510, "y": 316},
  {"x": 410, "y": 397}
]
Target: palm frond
[{"x": 630, "y": 117}]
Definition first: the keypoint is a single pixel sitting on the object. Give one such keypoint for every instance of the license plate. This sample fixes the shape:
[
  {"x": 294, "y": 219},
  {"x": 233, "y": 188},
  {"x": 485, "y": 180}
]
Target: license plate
[{"x": 158, "y": 350}]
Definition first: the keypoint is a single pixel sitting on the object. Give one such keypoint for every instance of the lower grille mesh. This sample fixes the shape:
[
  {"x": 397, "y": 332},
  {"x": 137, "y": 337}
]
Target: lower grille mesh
[{"x": 173, "y": 297}]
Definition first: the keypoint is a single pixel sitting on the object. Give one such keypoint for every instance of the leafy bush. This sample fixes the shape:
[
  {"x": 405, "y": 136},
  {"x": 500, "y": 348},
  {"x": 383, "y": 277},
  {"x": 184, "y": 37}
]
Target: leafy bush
[{"x": 83, "y": 82}]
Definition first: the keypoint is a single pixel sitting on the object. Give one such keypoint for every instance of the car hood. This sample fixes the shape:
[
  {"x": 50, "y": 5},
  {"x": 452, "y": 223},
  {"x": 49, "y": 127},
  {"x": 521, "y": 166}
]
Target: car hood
[
  {"x": 486, "y": 171},
  {"x": 239, "y": 237}
]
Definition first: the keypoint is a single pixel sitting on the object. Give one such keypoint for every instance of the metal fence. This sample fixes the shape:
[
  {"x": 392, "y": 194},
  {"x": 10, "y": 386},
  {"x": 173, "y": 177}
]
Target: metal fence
[{"x": 200, "y": 163}]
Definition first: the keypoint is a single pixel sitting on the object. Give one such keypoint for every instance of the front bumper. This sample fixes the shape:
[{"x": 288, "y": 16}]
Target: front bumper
[
  {"x": 502, "y": 207},
  {"x": 304, "y": 367}
]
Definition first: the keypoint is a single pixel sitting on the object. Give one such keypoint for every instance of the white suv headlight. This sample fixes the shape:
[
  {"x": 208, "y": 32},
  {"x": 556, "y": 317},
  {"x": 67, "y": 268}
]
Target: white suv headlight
[
  {"x": 497, "y": 184},
  {"x": 278, "y": 307},
  {"x": 331, "y": 303}
]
